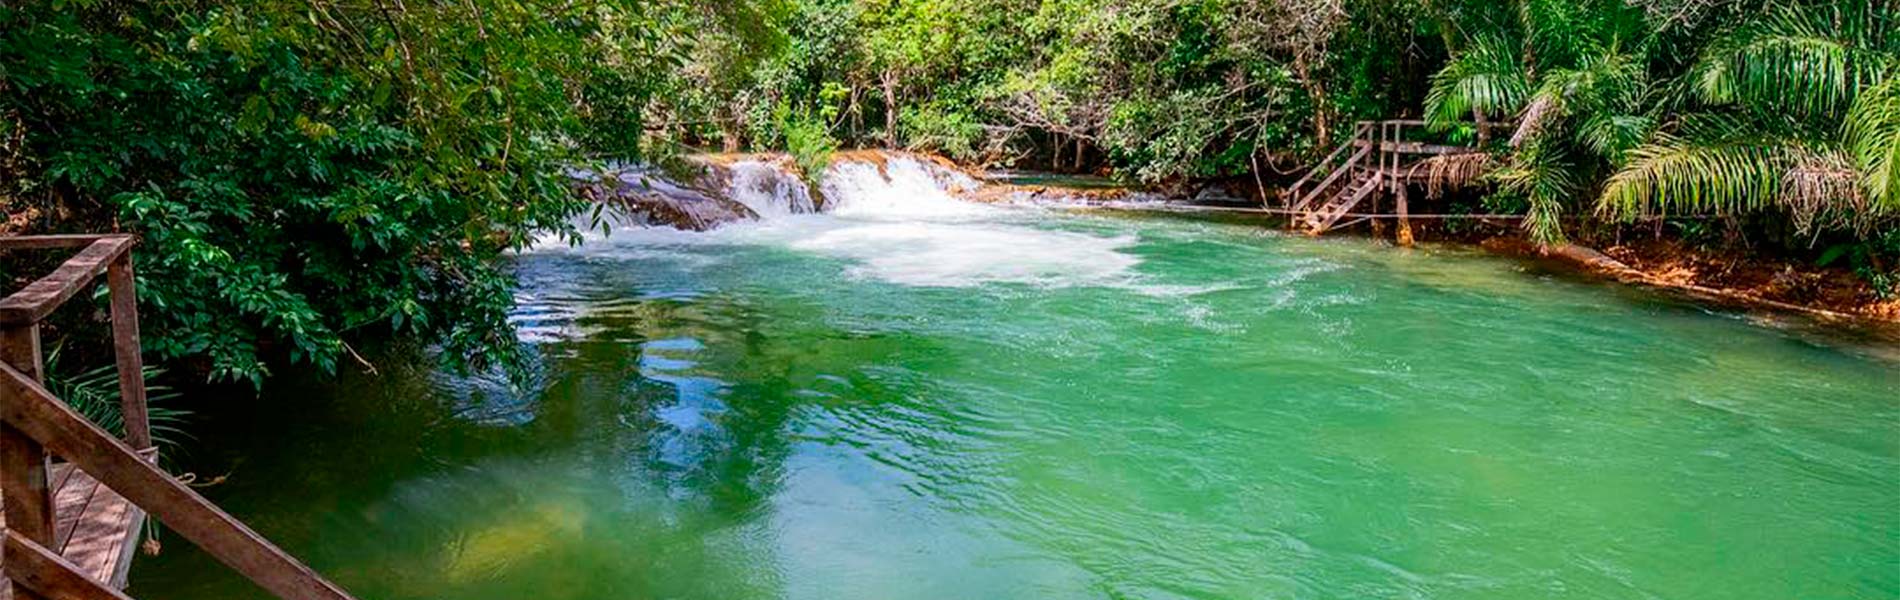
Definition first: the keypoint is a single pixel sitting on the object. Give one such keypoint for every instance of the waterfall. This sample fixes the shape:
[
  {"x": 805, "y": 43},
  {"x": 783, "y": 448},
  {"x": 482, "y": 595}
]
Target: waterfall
[
  {"x": 769, "y": 189},
  {"x": 895, "y": 217},
  {"x": 894, "y": 185},
  {"x": 874, "y": 185}
]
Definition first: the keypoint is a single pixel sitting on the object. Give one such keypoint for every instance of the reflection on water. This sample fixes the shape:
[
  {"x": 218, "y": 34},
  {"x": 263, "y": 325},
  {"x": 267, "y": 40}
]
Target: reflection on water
[{"x": 1021, "y": 404}]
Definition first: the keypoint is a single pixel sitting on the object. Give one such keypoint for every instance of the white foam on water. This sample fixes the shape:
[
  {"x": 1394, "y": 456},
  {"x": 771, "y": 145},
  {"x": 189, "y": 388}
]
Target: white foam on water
[
  {"x": 968, "y": 254},
  {"x": 899, "y": 223}
]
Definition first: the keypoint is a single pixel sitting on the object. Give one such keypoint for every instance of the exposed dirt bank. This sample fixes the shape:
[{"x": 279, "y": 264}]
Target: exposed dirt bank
[{"x": 1725, "y": 278}]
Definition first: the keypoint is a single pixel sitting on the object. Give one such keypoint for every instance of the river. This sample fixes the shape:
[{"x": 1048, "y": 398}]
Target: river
[{"x": 913, "y": 397}]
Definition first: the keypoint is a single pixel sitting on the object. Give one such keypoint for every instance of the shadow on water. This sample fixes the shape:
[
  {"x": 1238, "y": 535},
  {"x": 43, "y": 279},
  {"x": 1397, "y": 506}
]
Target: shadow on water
[{"x": 638, "y": 461}]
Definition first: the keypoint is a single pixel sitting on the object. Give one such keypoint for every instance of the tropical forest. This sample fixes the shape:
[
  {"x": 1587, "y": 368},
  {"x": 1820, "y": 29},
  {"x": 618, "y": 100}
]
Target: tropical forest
[{"x": 887, "y": 299}]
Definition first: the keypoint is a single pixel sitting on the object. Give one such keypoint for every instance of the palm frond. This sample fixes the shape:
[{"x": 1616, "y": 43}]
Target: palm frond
[
  {"x": 1685, "y": 176},
  {"x": 1822, "y": 190},
  {"x": 1545, "y": 106},
  {"x": 1872, "y": 134},
  {"x": 1792, "y": 61},
  {"x": 1604, "y": 90},
  {"x": 1454, "y": 171},
  {"x": 94, "y": 393},
  {"x": 1487, "y": 78},
  {"x": 1544, "y": 175},
  {"x": 1818, "y": 185},
  {"x": 1614, "y": 135}
]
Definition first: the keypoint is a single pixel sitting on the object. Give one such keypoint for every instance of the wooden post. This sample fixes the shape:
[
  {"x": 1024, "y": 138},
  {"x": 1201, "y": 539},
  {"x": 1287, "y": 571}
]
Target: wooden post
[
  {"x": 24, "y": 489},
  {"x": 1398, "y": 137},
  {"x": 1405, "y": 221},
  {"x": 125, "y": 348}
]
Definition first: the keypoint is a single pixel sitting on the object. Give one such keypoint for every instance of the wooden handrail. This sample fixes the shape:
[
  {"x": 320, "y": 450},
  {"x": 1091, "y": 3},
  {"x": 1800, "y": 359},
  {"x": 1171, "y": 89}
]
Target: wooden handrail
[
  {"x": 1351, "y": 163},
  {"x": 39, "y": 298},
  {"x": 1358, "y": 130},
  {"x": 31, "y": 409},
  {"x": 39, "y": 242},
  {"x": 48, "y": 575},
  {"x": 19, "y": 342},
  {"x": 1402, "y": 147}
]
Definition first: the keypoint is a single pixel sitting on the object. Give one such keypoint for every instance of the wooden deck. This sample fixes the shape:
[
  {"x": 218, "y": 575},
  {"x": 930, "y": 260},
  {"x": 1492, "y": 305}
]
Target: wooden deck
[{"x": 96, "y": 529}]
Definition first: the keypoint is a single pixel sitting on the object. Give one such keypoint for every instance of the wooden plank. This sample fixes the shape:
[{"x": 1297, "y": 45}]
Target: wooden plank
[
  {"x": 39, "y": 298},
  {"x": 23, "y": 462},
  {"x": 1351, "y": 164},
  {"x": 121, "y": 567},
  {"x": 100, "y": 535},
  {"x": 24, "y": 485},
  {"x": 20, "y": 348},
  {"x": 41, "y": 242},
  {"x": 126, "y": 351},
  {"x": 36, "y": 412},
  {"x": 1414, "y": 148},
  {"x": 45, "y": 574},
  {"x": 99, "y": 529},
  {"x": 71, "y": 497},
  {"x": 59, "y": 475}
]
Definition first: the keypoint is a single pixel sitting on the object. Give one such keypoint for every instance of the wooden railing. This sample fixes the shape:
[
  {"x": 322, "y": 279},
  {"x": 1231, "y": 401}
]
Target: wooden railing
[
  {"x": 1382, "y": 146},
  {"x": 33, "y": 421},
  {"x": 1327, "y": 166}
]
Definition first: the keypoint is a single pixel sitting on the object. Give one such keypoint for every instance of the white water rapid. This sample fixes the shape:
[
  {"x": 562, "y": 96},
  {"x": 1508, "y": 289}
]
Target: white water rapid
[{"x": 896, "y": 218}]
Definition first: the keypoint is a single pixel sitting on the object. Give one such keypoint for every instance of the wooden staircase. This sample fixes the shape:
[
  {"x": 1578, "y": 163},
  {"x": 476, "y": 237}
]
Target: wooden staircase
[
  {"x": 1377, "y": 161},
  {"x": 1335, "y": 206},
  {"x": 72, "y": 496}
]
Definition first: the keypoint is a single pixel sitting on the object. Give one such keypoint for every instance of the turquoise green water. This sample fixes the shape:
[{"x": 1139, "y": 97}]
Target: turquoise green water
[{"x": 1020, "y": 404}]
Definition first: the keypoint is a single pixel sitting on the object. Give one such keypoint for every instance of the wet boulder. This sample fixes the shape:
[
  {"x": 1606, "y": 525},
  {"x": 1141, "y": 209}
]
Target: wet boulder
[{"x": 644, "y": 196}]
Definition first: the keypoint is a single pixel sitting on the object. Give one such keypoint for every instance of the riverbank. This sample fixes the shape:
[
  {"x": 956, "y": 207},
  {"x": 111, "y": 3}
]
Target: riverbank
[
  {"x": 1723, "y": 276},
  {"x": 909, "y": 396},
  {"x": 718, "y": 189},
  {"x": 1727, "y": 278}
]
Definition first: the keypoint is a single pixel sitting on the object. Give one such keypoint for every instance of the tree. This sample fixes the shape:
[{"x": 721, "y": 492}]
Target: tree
[
  {"x": 1574, "y": 77},
  {"x": 1797, "y": 112},
  {"x": 306, "y": 172}
]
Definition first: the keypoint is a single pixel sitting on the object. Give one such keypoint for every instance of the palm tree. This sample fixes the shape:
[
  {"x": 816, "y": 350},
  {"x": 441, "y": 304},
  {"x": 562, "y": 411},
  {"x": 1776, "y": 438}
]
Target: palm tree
[
  {"x": 1798, "y": 112},
  {"x": 1574, "y": 76}
]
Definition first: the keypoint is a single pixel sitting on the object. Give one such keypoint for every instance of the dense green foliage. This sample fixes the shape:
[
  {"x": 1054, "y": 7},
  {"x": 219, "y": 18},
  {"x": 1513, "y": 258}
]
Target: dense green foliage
[
  {"x": 1155, "y": 89},
  {"x": 1613, "y": 108},
  {"x": 1790, "y": 111},
  {"x": 304, "y": 170},
  {"x": 301, "y": 170}
]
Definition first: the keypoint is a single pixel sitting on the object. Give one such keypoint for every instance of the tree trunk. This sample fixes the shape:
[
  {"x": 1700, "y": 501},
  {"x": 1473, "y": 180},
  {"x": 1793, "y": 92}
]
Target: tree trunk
[
  {"x": 857, "y": 113},
  {"x": 1080, "y": 149},
  {"x": 890, "y": 109},
  {"x": 729, "y": 134},
  {"x": 1055, "y": 146},
  {"x": 1316, "y": 92}
]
